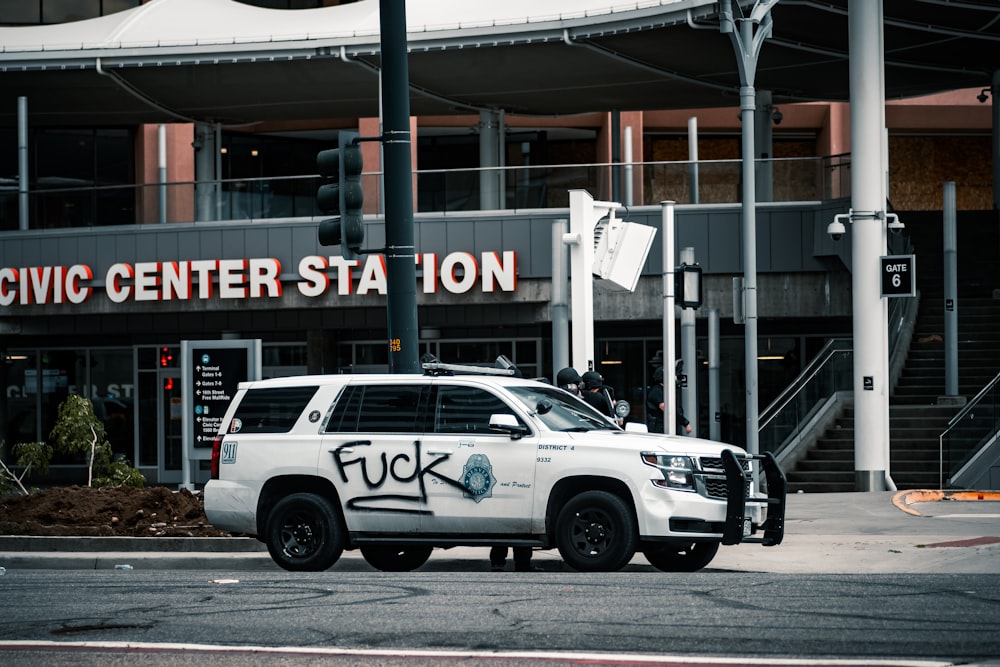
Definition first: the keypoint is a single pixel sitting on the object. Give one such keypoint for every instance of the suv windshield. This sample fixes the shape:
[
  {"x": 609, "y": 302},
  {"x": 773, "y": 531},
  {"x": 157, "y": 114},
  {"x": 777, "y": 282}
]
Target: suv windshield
[{"x": 561, "y": 411}]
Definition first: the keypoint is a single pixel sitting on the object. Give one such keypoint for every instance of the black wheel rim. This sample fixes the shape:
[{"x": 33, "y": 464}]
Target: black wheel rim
[
  {"x": 592, "y": 532},
  {"x": 300, "y": 535}
]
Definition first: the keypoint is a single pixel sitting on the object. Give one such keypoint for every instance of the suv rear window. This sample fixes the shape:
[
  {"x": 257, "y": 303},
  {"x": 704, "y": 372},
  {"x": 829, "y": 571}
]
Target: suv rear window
[{"x": 272, "y": 410}]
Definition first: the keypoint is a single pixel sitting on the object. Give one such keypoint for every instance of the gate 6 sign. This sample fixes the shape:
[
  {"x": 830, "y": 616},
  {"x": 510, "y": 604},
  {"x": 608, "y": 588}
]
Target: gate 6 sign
[{"x": 898, "y": 275}]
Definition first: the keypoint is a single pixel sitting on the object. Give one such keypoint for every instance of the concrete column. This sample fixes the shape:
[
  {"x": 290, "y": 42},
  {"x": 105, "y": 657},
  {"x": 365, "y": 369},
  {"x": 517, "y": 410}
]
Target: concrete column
[
  {"x": 204, "y": 172},
  {"x": 629, "y": 186},
  {"x": 689, "y": 352},
  {"x": 763, "y": 142},
  {"x": 22, "y": 163},
  {"x": 949, "y": 244},
  {"x": 669, "y": 318},
  {"x": 489, "y": 156},
  {"x": 559, "y": 303},
  {"x": 868, "y": 243},
  {"x": 693, "y": 158},
  {"x": 714, "y": 416},
  {"x": 161, "y": 170}
]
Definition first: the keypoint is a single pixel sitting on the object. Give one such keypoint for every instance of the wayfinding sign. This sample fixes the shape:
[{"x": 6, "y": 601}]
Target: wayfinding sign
[
  {"x": 211, "y": 371},
  {"x": 898, "y": 275}
]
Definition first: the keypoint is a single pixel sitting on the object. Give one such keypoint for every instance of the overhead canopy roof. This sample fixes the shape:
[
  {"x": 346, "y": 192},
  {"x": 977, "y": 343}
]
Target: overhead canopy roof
[{"x": 222, "y": 61}]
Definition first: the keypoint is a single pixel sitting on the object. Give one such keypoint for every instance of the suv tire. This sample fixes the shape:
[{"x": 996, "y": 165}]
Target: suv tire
[
  {"x": 596, "y": 532},
  {"x": 393, "y": 558},
  {"x": 681, "y": 556},
  {"x": 304, "y": 533}
]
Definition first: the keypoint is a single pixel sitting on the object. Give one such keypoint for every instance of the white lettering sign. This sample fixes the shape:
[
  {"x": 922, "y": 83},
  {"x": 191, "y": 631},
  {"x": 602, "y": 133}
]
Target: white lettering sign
[{"x": 254, "y": 278}]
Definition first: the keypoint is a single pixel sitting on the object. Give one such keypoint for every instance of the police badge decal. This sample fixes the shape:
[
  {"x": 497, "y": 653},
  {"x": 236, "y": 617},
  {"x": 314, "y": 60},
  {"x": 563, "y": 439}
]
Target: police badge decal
[{"x": 477, "y": 477}]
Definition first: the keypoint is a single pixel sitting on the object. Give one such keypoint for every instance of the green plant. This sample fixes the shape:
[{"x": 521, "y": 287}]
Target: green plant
[
  {"x": 26, "y": 455},
  {"x": 78, "y": 430}
]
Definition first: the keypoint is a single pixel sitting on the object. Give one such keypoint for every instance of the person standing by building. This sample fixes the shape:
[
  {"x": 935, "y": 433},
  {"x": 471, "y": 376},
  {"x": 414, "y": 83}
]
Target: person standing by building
[
  {"x": 595, "y": 394},
  {"x": 655, "y": 405}
]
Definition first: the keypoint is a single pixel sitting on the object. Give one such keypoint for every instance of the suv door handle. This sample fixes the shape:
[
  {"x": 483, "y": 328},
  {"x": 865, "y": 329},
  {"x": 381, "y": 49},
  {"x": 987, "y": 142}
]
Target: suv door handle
[{"x": 440, "y": 452}]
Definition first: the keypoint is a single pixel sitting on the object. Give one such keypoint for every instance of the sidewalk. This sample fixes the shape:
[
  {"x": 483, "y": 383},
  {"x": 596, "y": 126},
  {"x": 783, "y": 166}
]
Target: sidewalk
[{"x": 913, "y": 531}]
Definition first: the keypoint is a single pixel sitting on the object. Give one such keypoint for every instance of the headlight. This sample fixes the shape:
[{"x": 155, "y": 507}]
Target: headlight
[{"x": 676, "y": 471}]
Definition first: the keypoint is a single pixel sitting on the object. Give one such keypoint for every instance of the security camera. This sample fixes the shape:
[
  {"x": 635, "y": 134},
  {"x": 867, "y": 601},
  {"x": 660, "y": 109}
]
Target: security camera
[
  {"x": 836, "y": 229},
  {"x": 895, "y": 226}
]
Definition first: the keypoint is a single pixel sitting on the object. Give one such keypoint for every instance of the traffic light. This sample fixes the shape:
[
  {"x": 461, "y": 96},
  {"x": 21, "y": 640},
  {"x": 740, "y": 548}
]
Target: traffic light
[{"x": 343, "y": 195}]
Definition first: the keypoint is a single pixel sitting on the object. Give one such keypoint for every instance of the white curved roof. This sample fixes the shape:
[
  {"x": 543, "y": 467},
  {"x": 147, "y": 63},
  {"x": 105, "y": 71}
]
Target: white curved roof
[
  {"x": 223, "y": 61},
  {"x": 213, "y": 23}
]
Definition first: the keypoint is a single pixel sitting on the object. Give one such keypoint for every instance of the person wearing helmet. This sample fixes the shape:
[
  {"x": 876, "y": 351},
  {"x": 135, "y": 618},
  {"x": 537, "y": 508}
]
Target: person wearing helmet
[
  {"x": 569, "y": 380},
  {"x": 655, "y": 405},
  {"x": 594, "y": 393}
]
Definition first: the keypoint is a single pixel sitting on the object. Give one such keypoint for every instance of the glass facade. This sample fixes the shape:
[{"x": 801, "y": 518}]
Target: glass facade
[
  {"x": 137, "y": 391},
  {"x": 31, "y": 12}
]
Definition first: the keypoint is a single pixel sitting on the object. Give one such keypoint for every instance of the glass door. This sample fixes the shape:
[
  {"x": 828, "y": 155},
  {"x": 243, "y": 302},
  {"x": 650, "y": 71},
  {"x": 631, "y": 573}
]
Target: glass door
[{"x": 170, "y": 447}]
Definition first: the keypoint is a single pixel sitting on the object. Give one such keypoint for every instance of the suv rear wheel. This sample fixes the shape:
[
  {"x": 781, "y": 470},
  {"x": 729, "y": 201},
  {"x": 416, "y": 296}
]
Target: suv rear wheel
[
  {"x": 396, "y": 558},
  {"x": 304, "y": 533},
  {"x": 596, "y": 532}
]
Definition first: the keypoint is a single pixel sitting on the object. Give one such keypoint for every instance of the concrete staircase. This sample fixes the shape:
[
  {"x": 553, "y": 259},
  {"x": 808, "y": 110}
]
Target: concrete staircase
[{"x": 918, "y": 412}]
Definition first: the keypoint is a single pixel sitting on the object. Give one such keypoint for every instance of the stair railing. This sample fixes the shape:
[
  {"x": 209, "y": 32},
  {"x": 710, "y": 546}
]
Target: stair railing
[
  {"x": 970, "y": 432},
  {"x": 793, "y": 411},
  {"x": 810, "y": 402}
]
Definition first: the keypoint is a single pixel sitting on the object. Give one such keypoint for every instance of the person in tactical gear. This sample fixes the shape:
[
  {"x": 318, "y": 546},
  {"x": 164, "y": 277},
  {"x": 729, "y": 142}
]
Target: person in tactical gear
[
  {"x": 655, "y": 405},
  {"x": 596, "y": 394},
  {"x": 569, "y": 380}
]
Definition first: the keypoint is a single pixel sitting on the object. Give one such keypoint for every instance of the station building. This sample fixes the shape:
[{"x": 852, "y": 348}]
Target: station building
[{"x": 126, "y": 252}]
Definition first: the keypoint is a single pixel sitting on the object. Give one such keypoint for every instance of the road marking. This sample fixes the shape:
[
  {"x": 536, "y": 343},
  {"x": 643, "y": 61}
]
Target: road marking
[{"x": 590, "y": 658}]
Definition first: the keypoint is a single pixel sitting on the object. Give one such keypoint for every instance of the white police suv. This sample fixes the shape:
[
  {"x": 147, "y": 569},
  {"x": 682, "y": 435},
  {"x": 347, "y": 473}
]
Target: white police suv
[{"x": 395, "y": 465}]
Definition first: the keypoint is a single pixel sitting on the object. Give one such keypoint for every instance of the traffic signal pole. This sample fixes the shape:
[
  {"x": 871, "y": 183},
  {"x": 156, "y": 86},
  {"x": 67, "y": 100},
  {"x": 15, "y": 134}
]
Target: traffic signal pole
[{"x": 400, "y": 253}]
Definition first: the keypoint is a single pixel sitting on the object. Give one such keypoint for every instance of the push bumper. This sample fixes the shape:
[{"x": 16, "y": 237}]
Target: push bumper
[{"x": 737, "y": 517}]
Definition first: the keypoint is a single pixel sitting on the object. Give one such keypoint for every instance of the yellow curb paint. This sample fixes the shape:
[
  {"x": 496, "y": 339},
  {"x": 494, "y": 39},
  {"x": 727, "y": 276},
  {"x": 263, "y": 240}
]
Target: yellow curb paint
[{"x": 903, "y": 499}]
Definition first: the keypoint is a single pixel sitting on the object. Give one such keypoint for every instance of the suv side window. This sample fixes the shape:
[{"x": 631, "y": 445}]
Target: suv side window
[
  {"x": 379, "y": 409},
  {"x": 466, "y": 410},
  {"x": 272, "y": 410}
]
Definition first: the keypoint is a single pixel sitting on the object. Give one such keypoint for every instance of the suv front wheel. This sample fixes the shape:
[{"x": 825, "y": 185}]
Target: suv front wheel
[
  {"x": 304, "y": 533},
  {"x": 596, "y": 532},
  {"x": 681, "y": 556}
]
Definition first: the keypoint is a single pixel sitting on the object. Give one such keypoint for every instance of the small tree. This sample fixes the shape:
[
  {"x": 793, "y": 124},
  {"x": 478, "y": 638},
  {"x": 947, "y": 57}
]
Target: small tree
[
  {"x": 26, "y": 455},
  {"x": 78, "y": 430}
]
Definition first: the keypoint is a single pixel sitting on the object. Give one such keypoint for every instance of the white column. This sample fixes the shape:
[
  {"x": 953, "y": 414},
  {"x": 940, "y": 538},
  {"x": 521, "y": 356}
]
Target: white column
[
  {"x": 669, "y": 320},
  {"x": 559, "y": 307},
  {"x": 868, "y": 243}
]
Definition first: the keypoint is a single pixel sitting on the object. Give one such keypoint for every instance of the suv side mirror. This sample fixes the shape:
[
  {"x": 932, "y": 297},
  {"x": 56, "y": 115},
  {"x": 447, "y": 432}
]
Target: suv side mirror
[{"x": 506, "y": 423}]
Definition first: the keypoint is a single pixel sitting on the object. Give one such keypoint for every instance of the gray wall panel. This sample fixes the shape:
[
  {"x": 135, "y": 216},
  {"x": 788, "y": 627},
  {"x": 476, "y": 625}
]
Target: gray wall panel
[
  {"x": 790, "y": 239},
  {"x": 726, "y": 234}
]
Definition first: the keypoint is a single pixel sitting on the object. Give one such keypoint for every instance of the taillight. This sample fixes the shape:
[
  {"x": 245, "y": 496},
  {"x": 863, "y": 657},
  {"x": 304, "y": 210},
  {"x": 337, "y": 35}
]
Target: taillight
[{"x": 216, "y": 455}]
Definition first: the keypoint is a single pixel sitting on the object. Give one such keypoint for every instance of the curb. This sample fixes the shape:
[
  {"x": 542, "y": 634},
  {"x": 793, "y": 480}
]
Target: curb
[{"x": 903, "y": 499}]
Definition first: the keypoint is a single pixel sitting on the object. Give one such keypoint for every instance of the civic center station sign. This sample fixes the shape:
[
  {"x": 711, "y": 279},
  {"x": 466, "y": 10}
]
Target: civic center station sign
[{"x": 253, "y": 278}]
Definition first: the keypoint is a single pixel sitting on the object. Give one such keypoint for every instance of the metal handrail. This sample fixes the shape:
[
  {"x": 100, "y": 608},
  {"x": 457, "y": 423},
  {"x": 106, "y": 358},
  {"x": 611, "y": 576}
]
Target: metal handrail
[
  {"x": 959, "y": 416},
  {"x": 799, "y": 383},
  {"x": 971, "y": 404}
]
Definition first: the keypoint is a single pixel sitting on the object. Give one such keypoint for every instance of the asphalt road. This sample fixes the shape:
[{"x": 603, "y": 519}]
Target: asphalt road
[
  {"x": 945, "y": 617},
  {"x": 859, "y": 578}
]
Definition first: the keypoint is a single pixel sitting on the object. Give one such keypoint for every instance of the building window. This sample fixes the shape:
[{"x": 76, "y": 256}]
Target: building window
[
  {"x": 66, "y": 166},
  {"x": 34, "y": 12}
]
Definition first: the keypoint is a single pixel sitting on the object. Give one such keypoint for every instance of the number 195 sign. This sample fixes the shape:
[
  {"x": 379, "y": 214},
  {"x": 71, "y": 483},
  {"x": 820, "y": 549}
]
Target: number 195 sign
[{"x": 898, "y": 274}]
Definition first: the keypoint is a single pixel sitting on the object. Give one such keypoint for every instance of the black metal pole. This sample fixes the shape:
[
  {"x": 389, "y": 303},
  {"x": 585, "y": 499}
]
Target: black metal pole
[{"x": 401, "y": 270}]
